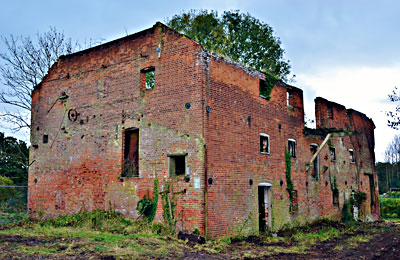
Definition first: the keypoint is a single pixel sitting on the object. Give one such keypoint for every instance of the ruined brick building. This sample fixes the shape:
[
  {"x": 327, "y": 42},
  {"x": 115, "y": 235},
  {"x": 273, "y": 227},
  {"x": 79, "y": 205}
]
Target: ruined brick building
[{"x": 108, "y": 120}]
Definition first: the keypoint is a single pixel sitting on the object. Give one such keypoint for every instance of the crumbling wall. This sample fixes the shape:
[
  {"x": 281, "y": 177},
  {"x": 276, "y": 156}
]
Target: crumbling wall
[
  {"x": 236, "y": 118},
  {"x": 85, "y": 104}
]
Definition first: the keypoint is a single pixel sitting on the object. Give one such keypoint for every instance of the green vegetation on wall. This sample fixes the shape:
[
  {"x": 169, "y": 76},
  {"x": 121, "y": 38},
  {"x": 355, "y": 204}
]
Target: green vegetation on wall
[
  {"x": 147, "y": 207},
  {"x": 267, "y": 85},
  {"x": 168, "y": 205},
  {"x": 290, "y": 185}
]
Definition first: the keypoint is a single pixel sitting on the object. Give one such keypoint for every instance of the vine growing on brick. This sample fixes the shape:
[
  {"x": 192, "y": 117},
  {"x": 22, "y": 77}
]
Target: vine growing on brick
[
  {"x": 147, "y": 207},
  {"x": 333, "y": 184},
  {"x": 290, "y": 185},
  {"x": 168, "y": 205}
]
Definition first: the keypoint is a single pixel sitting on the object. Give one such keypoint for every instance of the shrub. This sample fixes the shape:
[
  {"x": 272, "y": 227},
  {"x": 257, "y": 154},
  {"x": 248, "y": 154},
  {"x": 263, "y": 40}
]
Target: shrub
[
  {"x": 390, "y": 207},
  {"x": 6, "y": 192}
]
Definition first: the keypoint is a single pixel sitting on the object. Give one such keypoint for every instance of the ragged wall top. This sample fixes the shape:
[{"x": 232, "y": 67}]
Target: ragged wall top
[{"x": 236, "y": 118}]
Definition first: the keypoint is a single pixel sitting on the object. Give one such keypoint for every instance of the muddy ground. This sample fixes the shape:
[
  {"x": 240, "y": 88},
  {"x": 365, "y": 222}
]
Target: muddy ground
[{"x": 369, "y": 241}]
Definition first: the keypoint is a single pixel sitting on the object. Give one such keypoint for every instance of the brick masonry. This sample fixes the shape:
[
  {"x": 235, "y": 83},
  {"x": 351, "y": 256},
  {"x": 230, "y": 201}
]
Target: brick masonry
[{"x": 202, "y": 105}]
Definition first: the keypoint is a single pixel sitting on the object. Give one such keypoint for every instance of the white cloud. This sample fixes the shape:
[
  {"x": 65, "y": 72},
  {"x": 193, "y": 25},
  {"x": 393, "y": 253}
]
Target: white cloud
[{"x": 364, "y": 89}]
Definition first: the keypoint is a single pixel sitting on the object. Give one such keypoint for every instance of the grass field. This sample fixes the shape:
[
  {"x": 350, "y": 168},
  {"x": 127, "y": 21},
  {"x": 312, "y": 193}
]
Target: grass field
[{"x": 107, "y": 235}]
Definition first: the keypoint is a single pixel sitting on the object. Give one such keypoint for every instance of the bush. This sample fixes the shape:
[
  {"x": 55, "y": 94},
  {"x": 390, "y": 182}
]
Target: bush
[
  {"x": 390, "y": 207},
  {"x": 347, "y": 215},
  {"x": 6, "y": 192}
]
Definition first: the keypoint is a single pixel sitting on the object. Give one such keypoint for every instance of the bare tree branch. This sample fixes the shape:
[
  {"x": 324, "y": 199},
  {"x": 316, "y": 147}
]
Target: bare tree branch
[{"x": 23, "y": 65}]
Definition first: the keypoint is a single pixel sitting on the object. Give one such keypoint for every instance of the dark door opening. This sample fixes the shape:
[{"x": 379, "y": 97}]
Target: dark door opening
[
  {"x": 131, "y": 153},
  {"x": 264, "y": 207},
  {"x": 261, "y": 209},
  {"x": 372, "y": 192}
]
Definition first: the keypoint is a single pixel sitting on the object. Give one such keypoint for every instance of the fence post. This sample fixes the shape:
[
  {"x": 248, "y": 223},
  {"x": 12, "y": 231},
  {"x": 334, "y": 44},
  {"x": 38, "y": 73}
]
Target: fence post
[{"x": 28, "y": 200}]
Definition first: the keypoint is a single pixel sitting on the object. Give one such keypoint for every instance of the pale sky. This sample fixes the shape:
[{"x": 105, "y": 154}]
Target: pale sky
[{"x": 346, "y": 51}]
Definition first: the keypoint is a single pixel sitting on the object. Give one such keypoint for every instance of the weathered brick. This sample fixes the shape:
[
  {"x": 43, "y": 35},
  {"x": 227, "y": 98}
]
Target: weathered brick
[{"x": 202, "y": 105}]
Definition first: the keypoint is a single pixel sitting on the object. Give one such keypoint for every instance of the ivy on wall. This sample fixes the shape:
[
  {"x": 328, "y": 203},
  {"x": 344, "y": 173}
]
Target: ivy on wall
[
  {"x": 267, "y": 85},
  {"x": 290, "y": 185}
]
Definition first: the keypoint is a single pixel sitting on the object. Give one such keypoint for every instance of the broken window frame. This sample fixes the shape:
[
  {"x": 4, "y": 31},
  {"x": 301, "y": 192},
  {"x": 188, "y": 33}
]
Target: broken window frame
[
  {"x": 262, "y": 138},
  {"x": 352, "y": 156},
  {"x": 130, "y": 167},
  {"x": 148, "y": 78},
  {"x": 172, "y": 170},
  {"x": 292, "y": 147},
  {"x": 332, "y": 153}
]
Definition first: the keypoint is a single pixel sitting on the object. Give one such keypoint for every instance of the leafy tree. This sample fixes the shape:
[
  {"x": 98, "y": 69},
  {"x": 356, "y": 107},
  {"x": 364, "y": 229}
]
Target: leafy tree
[
  {"x": 14, "y": 159},
  {"x": 240, "y": 36}
]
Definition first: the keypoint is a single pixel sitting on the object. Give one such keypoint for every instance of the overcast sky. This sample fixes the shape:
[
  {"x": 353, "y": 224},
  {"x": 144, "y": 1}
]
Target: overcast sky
[{"x": 346, "y": 51}]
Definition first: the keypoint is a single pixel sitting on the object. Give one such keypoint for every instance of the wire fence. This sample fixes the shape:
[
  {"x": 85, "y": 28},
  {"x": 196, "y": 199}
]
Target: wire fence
[{"x": 14, "y": 203}]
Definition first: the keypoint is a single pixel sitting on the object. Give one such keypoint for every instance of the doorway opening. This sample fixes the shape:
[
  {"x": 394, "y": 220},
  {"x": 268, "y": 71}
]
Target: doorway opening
[{"x": 264, "y": 206}]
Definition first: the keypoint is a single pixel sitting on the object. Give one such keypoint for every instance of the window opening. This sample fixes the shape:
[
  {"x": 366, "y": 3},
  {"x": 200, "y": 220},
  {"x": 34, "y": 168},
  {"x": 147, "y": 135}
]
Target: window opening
[
  {"x": 45, "y": 139},
  {"x": 264, "y": 143},
  {"x": 148, "y": 77},
  {"x": 131, "y": 153},
  {"x": 177, "y": 165},
  {"x": 292, "y": 147},
  {"x": 332, "y": 151},
  {"x": 263, "y": 89},
  {"x": 352, "y": 158},
  {"x": 288, "y": 98},
  {"x": 335, "y": 197},
  {"x": 314, "y": 149},
  {"x": 330, "y": 111}
]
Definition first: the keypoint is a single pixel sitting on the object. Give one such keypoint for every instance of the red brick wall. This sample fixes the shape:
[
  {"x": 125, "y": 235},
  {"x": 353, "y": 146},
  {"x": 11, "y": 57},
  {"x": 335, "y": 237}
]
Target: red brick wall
[
  {"x": 80, "y": 166},
  {"x": 233, "y": 156}
]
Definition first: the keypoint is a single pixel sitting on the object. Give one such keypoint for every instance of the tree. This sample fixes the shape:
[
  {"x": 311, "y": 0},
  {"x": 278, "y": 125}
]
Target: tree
[
  {"x": 240, "y": 36},
  {"x": 388, "y": 172},
  {"x": 23, "y": 66},
  {"x": 14, "y": 159},
  {"x": 394, "y": 116}
]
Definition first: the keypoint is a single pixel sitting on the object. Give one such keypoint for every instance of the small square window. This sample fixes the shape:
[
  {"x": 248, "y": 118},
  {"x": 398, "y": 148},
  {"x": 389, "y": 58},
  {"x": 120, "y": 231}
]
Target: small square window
[
  {"x": 264, "y": 143},
  {"x": 177, "y": 165},
  {"x": 148, "y": 78},
  {"x": 332, "y": 152},
  {"x": 352, "y": 157},
  {"x": 292, "y": 147}
]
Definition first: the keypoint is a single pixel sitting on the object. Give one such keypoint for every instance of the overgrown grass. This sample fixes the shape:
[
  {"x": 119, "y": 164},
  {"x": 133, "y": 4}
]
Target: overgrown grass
[
  {"x": 100, "y": 233},
  {"x": 93, "y": 233}
]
